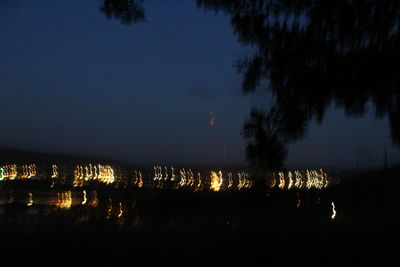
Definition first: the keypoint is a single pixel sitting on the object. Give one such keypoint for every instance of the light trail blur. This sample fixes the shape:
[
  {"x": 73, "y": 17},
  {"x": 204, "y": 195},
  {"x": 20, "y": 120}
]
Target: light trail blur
[
  {"x": 333, "y": 216},
  {"x": 84, "y": 175},
  {"x": 308, "y": 179}
]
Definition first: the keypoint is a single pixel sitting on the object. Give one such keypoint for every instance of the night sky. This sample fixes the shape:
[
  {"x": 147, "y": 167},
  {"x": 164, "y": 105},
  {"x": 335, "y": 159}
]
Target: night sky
[{"x": 165, "y": 91}]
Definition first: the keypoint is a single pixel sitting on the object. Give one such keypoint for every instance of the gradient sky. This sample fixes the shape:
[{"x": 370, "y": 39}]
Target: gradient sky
[{"x": 72, "y": 81}]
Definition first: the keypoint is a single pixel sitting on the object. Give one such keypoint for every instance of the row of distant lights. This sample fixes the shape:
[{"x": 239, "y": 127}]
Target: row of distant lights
[
  {"x": 188, "y": 179},
  {"x": 64, "y": 201},
  {"x": 82, "y": 174},
  {"x": 10, "y": 171},
  {"x": 181, "y": 178},
  {"x": 300, "y": 180}
]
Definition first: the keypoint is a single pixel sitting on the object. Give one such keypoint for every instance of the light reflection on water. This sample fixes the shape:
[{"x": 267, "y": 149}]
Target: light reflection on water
[
  {"x": 168, "y": 210},
  {"x": 165, "y": 199}
]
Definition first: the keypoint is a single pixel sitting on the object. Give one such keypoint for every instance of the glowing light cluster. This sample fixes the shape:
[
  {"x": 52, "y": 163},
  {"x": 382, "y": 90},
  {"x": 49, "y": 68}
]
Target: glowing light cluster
[
  {"x": 216, "y": 181},
  {"x": 300, "y": 180},
  {"x": 189, "y": 180},
  {"x": 2, "y": 173},
  {"x": 138, "y": 180},
  {"x": 84, "y": 198},
  {"x": 106, "y": 174},
  {"x": 30, "y": 200},
  {"x": 102, "y": 173},
  {"x": 333, "y": 216},
  {"x": 230, "y": 180},
  {"x": 54, "y": 171},
  {"x": 199, "y": 185},
  {"x": 109, "y": 209},
  {"x": 28, "y": 171},
  {"x": 158, "y": 176},
  {"x": 182, "y": 176},
  {"x": 9, "y": 171},
  {"x": 64, "y": 200},
  {"x": 244, "y": 182}
]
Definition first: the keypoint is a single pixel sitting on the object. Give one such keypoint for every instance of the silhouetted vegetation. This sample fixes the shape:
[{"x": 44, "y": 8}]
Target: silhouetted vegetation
[
  {"x": 311, "y": 54},
  {"x": 127, "y": 11},
  {"x": 268, "y": 151}
]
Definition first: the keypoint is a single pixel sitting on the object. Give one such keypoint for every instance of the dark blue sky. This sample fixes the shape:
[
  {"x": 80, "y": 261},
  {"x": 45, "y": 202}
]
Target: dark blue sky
[{"x": 73, "y": 81}]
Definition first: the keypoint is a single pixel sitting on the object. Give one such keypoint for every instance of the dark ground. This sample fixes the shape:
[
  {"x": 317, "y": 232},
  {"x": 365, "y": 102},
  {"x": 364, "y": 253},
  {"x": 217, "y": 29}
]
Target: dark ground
[{"x": 230, "y": 228}]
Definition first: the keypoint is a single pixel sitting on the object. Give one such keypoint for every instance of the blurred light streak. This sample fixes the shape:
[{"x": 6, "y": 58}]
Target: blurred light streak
[
  {"x": 290, "y": 180},
  {"x": 333, "y": 216},
  {"x": 298, "y": 200},
  {"x": 230, "y": 180},
  {"x": 191, "y": 178},
  {"x": 55, "y": 171},
  {"x": 212, "y": 118},
  {"x": 173, "y": 176},
  {"x": 199, "y": 184},
  {"x": 30, "y": 200},
  {"x": 166, "y": 173},
  {"x": 281, "y": 180},
  {"x": 240, "y": 181},
  {"x": 272, "y": 181},
  {"x": 109, "y": 209},
  {"x": 121, "y": 210},
  {"x": 307, "y": 180},
  {"x": 216, "y": 181},
  {"x": 64, "y": 200},
  {"x": 84, "y": 197},
  {"x": 182, "y": 182}
]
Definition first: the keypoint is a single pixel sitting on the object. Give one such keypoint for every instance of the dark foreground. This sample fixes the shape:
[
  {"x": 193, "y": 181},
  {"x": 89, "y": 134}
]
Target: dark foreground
[{"x": 147, "y": 227}]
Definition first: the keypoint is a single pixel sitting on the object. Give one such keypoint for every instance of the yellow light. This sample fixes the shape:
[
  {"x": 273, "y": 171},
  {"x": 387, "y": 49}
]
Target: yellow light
[
  {"x": 55, "y": 171},
  {"x": 10, "y": 171},
  {"x": 299, "y": 179},
  {"x": 230, "y": 180},
  {"x": 166, "y": 173},
  {"x": 84, "y": 197},
  {"x": 290, "y": 178},
  {"x": 32, "y": 170},
  {"x": 25, "y": 173},
  {"x": 140, "y": 184},
  {"x": 173, "y": 176},
  {"x": 182, "y": 182},
  {"x": 216, "y": 181},
  {"x": 273, "y": 181},
  {"x": 30, "y": 201},
  {"x": 64, "y": 200},
  {"x": 199, "y": 183},
  {"x": 240, "y": 181},
  {"x": 106, "y": 174},
  {"x": 109, "y": 208},
  {"x": 155, "y": 178},
  {"x": 121, "y": 211},
  {"x": 191, "y": 178},
  {"x": 87, "y": 175},
  {"x": 96, "y": 175},
  {"x": 94, "y": 201},
  {"x": 281, "y": 180}
]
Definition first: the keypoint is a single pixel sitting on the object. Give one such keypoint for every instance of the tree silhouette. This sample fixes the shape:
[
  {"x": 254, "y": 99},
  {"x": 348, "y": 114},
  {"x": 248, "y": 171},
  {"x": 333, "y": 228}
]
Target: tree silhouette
[
  {"x": 313, "y": 53},
  {"x": 267, "y": 151},
  {"x": 316, "y": 53},
  {"x": 127, "y": 11}
]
